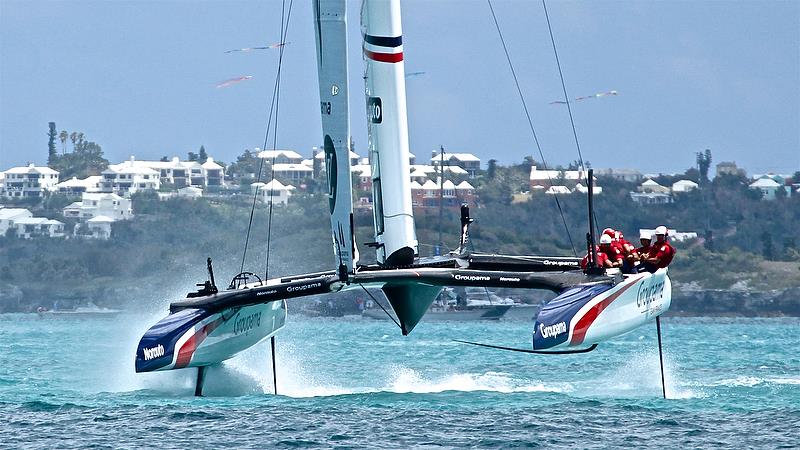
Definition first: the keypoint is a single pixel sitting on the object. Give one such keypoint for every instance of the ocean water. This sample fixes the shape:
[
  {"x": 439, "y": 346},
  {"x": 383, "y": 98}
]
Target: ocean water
[{"x": 358, "y": 383}]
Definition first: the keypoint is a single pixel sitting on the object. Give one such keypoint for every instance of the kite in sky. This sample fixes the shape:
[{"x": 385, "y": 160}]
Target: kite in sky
[
  {"x": 233, "y": 81},
  {"x": 602, "y": 94},
  {"x": 250, "y": 49}
]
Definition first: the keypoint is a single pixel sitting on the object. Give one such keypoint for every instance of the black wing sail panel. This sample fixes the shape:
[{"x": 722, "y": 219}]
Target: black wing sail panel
[{"x": 330, "y": 26}]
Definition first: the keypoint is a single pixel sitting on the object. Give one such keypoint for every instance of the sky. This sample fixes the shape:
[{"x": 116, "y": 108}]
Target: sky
[{"x": 139, "y": 77}]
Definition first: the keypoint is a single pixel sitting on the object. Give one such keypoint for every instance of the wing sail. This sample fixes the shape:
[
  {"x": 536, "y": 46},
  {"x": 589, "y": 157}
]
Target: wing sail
[{"x": 330, "y": 27}]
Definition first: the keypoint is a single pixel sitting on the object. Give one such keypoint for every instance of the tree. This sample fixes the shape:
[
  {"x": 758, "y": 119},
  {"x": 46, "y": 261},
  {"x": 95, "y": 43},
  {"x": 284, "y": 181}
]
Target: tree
[
  {"x": 51, "y": 144},
  {"x": 203, "y": 156},
  {"x": 491, "y": 169},
  {"x": 766, "y": 245},
  {"x": 85, "y": 159},
  {"x": 63, "y": 136},
  {"x": 192, "y": 156},
  {"x": 164, "y": 159},
  {"x": 703, "y": 163}
]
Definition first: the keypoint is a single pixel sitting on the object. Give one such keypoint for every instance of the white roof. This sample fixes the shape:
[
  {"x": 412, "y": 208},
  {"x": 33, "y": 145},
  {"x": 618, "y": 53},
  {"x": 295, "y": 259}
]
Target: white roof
[
  {"x": 210, "y": 164},
  {"x": 557, "y": 190},
  {"x": 765, "y": 183},
  {"x": 307, "y": 162},
  {"x": 87, "y": 182},
  {"x": 429, "y": 184},
  {"x": 290, "y": 167},
  {"x": 10, "y": 213},
  {"x": 458, "y": 156},
  {"x": 31, "y": 221},
  {"x": 101, "y": 219},
  {"x": 276, "y": 185},
  {"x": 415, "y": 185},
  {"x": 685, "y": 183},
  {"x": 538, "y": 187},
  {"x": 541, "y": 175},
  {"x": 583, "y": 189},
  {"x": 415, "y": 173},
  {"x": 464, "y": 185},
  {"x": 132, "y": 167},
  {"x": 99, "y": 196},
  {"x": 291, "y": 154},
  {"x": 32, "y": 169},
  {"x": 448, "y": 185},
  {"x": 190, "y": 189},
  {"x": 364, "y": 170},
  {"x": 650, "y": 182},
  {"x": 52, "y": 222}
]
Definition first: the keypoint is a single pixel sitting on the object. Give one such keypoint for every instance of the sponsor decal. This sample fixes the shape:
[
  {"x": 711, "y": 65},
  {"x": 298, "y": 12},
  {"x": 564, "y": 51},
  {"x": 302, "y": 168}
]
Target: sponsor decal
[
  {"x": 471, "y": 277},
  {"x": 547, "y": 262},
  {"x": 153, "y": 353},
  {"x": 303, "y": 287},
  {"x": 509, "y": 279},
  {"x": 271, "y": 291},
  {"x": 375, "y": 110},
  {"x": 648, "y": 293},
  {"x": 334, "y": 89},
  {"x": 552, "y": 331},
  {"x": 246, "y": 323}
]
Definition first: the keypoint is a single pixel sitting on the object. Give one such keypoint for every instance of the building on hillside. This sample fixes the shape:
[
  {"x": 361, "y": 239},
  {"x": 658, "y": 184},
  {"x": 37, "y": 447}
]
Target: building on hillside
[
  {"x": 74, "y": 186},
  {"x": 33, "y": 227},
  {"x": 9, "y": 216},
  {"x": 173, "y": 172},
  {"x": 729, "y": 168},
  {"x": 99, "y": 204},
  {"x": 190, "y": 192},
  {"x": 558, "y": 190},
  {"x": 129, "y": 177},
  {"x": 274, "y": 192},
  {"x": 581, "y": 189},
  {"x": 683, "y": 186},
  {"x": 650, "y": 198},
  {"x": 427, "y": 195},
  {"x": 629, "y": 175},
  {"x": 467, "y": 161},
  {"x": 768, "y": 187},
  {"x": 99, "y": 227},
  {"x": 651, "y": 187},
  {"x": 293, "y": 172},
  {"x": 547, "y": 178},
  {"x": 281, "y": 156},
  {"x": 673, "y": 235},
  {"x": 29, "y": 181}
]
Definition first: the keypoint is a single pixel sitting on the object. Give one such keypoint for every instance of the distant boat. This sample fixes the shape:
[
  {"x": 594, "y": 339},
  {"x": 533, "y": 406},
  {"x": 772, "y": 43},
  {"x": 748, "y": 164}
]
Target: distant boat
[{"x": 87, "y": 311}]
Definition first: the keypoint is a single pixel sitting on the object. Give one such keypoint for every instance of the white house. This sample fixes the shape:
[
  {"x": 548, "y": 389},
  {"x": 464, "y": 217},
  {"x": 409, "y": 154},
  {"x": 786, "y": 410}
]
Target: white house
[
  {"x": 8, "y": 217},
  {"x": 74, "y": 186},
  {"x": 29, "y": 227},
  {"x": 546, "y": 178},
  {"x": 354, "y": 158},
  {"x": 273, "y": 191},
  {"x": 99, "y": 204},
  {"x": 175, "y": 172},
  {"x": 100, "y": 227},
  {"x": 581, "y": 189},
  {"x": 467, "y": 161},
  {"x": 281, "y": 156},
  {"x": 190, "y": 192},
  {"x": 650, "y": 198},
  {"x": 557, "y": 190},
  {"x": 129, "y": 177},
  {"x": 682, "y": 186},
  {"x": 293, "y": 172},
  {"x": 651, "y": 187},
  {"x": 28, "y": 181},
  {"x": 767, "y": 186},
  {"x": 631, "y": 175}
]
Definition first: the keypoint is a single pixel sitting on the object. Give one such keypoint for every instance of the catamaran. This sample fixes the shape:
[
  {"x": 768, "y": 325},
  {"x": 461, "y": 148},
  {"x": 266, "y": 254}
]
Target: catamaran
[{"x": 210, "y": 326}]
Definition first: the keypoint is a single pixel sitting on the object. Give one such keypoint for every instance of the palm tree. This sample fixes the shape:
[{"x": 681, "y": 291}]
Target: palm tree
[
  {"x": 63, "y": 136},
  {"x": 74, "y": 138}
]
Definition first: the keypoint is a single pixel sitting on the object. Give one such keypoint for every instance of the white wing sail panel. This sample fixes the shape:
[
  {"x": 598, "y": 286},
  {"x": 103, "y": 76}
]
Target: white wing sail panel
[
  {"x": 396, "y": 239},
  {"x": 330, "y": 25}
]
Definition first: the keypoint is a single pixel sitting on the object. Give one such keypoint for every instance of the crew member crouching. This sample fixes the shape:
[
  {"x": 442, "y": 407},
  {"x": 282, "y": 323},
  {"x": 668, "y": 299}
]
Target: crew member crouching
[{"x": 661, "y": 252}]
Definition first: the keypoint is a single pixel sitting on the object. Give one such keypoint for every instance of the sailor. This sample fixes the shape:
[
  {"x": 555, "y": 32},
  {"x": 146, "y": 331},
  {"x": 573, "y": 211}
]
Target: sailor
[
  {"x": 612, "y": 252},
  {"x": 644, "y": 238},
  {"x": 602, "y": 259},
  {"x": 628, "y": 252},
  {"x": 661, "y": 252}
]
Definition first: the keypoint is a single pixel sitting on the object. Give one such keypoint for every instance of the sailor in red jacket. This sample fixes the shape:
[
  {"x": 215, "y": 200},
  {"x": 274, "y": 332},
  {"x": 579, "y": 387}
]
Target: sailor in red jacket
[
  {"x": 661, "y": 253},
  {"x": 602, "y": 260},
  {"x": 612, "y": 252}
]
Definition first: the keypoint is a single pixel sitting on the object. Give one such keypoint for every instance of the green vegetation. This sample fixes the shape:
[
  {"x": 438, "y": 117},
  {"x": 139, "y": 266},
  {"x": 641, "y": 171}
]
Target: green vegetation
[{"x": 85, "y": 159}]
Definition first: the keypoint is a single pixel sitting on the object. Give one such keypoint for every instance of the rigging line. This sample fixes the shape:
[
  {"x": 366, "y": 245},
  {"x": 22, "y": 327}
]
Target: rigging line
[
  {"x": 261, "y": 163},
  {"x": 569, "y": 108},
  {"x": 276, "y": 98},
  {"x": 530, "y": 125},
  {"x": 379, "y": 304}
]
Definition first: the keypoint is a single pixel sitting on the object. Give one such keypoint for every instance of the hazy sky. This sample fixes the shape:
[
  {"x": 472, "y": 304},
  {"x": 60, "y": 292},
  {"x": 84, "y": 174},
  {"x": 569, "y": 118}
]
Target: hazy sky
[{"x": 138, "y": 77}]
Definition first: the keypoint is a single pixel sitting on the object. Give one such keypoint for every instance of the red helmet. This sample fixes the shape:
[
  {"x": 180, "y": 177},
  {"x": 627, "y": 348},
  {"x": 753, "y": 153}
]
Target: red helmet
[{"x": 610, "y": 232}]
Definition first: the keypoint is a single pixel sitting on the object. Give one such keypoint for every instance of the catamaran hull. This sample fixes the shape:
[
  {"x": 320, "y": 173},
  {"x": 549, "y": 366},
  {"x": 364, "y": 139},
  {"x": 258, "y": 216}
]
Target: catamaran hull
[
  {"x": 195, "y": 337},
  {"x": 589, "y": 314}
]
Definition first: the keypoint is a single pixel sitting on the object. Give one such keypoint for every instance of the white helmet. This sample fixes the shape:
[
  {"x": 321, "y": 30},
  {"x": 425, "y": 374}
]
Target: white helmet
[
  {"x": 644, "y": 234},
  {"x": 661, "y": 230},
  {"x": 605, "y": 239}
]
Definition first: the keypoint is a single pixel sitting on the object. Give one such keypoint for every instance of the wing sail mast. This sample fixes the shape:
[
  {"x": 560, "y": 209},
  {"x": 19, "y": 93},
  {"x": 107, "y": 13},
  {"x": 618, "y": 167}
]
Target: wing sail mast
[
  {"x": 330, "y": 27},
  {"x": 395, "y": 236}
]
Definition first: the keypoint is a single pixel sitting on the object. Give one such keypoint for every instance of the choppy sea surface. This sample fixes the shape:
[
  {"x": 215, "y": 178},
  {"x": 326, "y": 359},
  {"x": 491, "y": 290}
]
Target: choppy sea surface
[{"x": 69, "y": 382}]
